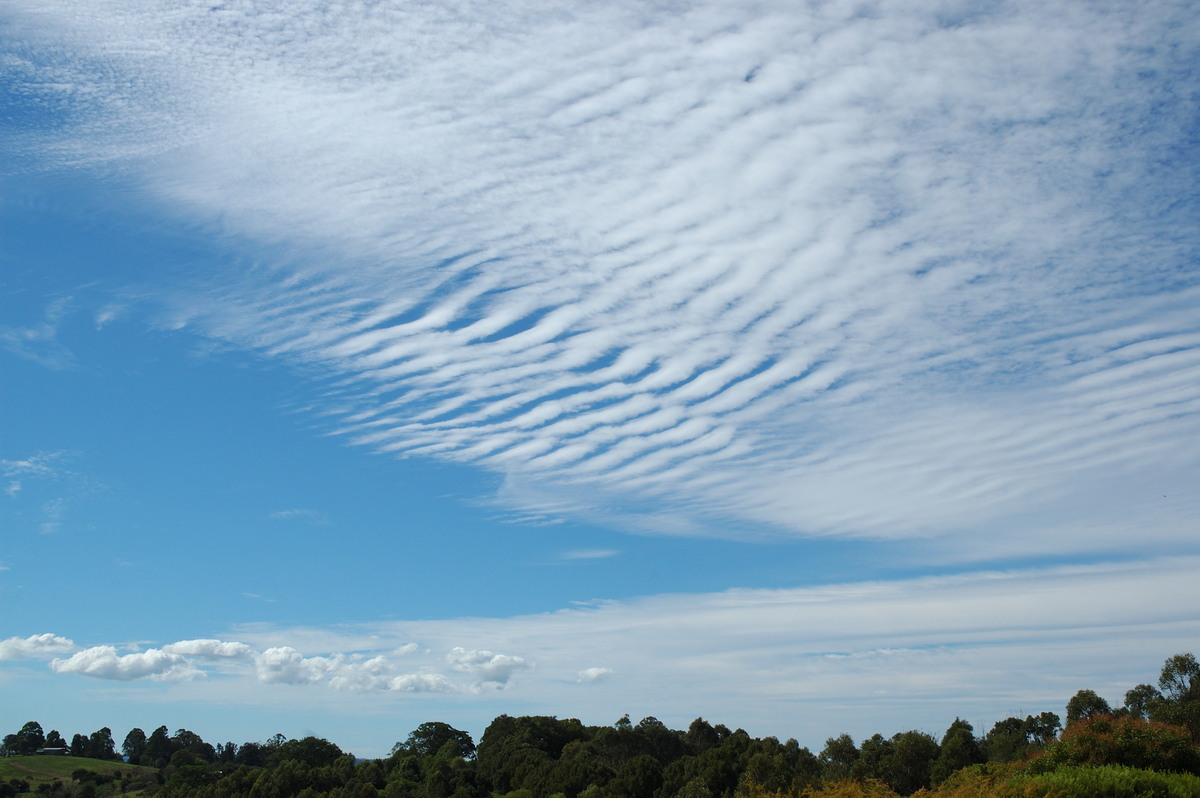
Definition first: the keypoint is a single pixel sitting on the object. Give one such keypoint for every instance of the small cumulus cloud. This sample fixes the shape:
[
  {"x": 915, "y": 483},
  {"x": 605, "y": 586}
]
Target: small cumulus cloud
[
  {"x": 421, "y": 683},
  {"x": 210, "y": 648},
  {"x": 34, "y": 645},
  {"x": 352, "y": 672},
  {"x": 103, "y": 662},
  {"x": 593, "y": 675},
  {"x": 488, "y": 667}
]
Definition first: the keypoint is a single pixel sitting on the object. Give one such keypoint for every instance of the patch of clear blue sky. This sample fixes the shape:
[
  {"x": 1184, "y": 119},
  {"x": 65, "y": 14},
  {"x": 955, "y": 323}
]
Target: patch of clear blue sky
[{"x": 192, "y": 495}]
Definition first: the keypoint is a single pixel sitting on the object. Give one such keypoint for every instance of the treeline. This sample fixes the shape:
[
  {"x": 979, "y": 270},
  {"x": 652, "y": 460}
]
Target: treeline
[{"x": 1155, "y": 730}]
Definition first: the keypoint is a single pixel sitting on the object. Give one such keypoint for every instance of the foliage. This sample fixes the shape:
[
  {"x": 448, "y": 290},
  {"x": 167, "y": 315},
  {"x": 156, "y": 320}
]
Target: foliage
[
  {"x": 1107, "y": 781},
  {"x": 1124, "y": 740},
  {"x": 1084, "y": 705}
]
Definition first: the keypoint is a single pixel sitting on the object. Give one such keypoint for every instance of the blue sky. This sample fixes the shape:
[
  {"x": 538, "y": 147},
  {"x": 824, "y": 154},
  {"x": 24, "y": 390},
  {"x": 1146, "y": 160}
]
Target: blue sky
[{"x": 809, "y": 367}]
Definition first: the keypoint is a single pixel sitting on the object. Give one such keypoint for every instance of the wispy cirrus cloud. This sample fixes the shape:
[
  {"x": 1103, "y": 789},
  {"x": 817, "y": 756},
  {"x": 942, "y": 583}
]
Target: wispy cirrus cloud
[
  {"x": 704, "y": 269},
  {"x": 40, "y": 342},
  {"x": 589, "y": 554}
]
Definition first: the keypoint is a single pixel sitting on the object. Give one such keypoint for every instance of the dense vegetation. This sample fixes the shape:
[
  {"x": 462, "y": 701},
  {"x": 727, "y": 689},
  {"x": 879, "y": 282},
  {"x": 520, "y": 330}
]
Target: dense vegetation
[{"x": 1145, "y": 747}]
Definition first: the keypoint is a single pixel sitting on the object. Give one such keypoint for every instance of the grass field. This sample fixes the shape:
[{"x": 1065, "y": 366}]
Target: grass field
[{"x": 40, "y": 769}]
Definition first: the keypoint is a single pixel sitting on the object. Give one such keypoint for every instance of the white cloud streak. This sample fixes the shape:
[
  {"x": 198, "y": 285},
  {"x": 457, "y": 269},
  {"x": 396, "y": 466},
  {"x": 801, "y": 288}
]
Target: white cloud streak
[
  {"x": 34, "y": 645},
  {"x": 210, "y": 648},
  {"x": 715, "y": 268}
]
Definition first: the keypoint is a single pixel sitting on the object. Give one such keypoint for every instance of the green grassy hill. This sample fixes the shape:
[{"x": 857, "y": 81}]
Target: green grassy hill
[{"x": 43, "y": 769}]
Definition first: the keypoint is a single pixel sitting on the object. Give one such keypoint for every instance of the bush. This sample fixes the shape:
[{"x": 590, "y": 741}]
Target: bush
[
  {"x": 1129, "y": 741},
  {"x": 1108, "y": 781}
]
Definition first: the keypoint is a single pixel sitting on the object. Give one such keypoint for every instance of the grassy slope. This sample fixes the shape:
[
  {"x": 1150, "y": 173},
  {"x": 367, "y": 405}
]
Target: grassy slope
[{"x": 38, "y": 769}]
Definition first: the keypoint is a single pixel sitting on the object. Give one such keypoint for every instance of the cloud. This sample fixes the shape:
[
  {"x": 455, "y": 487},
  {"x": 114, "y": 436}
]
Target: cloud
[
  {"x": 52, "y": 515},
  {"x": 590, "y": 554},
  {"x": 39, "y": 342},
  {"x": 353, "y": 672},
  {"x": 42, "y": 464},
  {"x": 861, "y": 656},
  {"x": 486, "y": 666},
  {"x": 580, "y": 250},
  {"x": 103, "y": 662},
  {"x": 34, "y": 645},
  {"x": 593, "y": 674},
  {"x": 209, "y": 648}
]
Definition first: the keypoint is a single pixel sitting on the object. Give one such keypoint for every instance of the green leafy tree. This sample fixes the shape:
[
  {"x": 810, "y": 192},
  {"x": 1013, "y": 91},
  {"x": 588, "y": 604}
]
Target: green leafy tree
[
  {"x": 1085, "y": 705},
  {"x": 312, "y": 751},
  {"x": 909, "y": 766},
  {"x": 1007, "y": 741},
  {"x": 838, "y": 758},
  {"x": 134, "y": 745},
  {"x": 429, "y": 738},
  {"x": 1179, "y": 684},
  {"x": 54, "y": 740},
  {"x": 100, "y": 745},
  {"x": 959, "y": 749},
  {"x": 28, "y": 739},
  {"x": 1042, "y": 728},
  {"x": 1140, "y": 700},
  {"x": 159, "y": 748},
  {"x": 638, "y": 777},
  {"x": 184, "y": 740},
  {"x": 701, "y": 736},
  {"x": 79, "y": 745}
]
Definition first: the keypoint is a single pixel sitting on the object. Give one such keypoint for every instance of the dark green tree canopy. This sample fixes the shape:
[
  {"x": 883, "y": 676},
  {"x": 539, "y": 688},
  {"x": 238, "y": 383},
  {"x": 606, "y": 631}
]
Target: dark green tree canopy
[
  {"x": 1084, "y": 705},
  {"x": 430, "y": 737}
]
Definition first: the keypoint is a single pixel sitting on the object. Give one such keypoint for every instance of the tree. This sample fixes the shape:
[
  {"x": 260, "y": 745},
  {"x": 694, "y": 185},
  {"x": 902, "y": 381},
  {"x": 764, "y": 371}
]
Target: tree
[
  {"x": 1042, "y": 729},
  {"x": 1139, "y": 700},
  {"x": 1084, "y": 705},
  {"x": 54, "y": 740},
  {"x": 1007, "y": 741},
  {"x": 959, "y": 749},
  {"x": 133, "y": 746},
  {"x": 429, "y": 738},
  {"x": 312, "y": 751},
  {"x": 100, "y": 745},
  {"x": 79, "y": 745},
  {"x": 29, "y": 739},
  {"x": 701, "y": 736},
  {"x": 159, "y": 748},
  {"x": 1180, "y": 678},
  {"x": 191, "y": 742},
  {"x": 838, "y": 757},
  {"x": 1180, "y": 686},
  {"x": 907, "y": 768}
]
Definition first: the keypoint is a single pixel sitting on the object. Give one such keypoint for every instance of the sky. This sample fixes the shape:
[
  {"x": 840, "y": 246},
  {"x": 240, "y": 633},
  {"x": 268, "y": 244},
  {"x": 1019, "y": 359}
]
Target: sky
[{"x": 809, "y": 367}]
